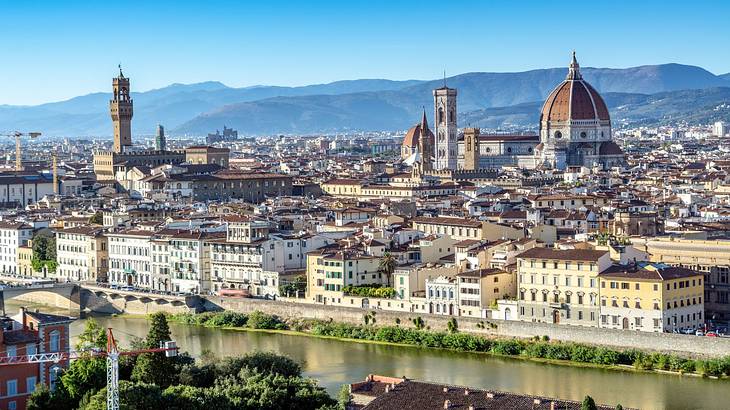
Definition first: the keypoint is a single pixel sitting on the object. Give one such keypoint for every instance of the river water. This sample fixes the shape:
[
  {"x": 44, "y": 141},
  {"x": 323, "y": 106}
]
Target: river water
[{"x": 334, "y": 363}]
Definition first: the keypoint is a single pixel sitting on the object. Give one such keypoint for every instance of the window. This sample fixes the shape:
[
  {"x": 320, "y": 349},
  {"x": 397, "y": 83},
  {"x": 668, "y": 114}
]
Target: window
[
  {"x": 30, "y": 383},
  {"x": 11, "y": 350},
  {"x": 55, "y": 344},
  {"x": 12, "y": 387}
]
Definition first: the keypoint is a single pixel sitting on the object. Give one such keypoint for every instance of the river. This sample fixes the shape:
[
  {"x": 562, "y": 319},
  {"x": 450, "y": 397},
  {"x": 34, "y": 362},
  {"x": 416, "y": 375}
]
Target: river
[{"x": 334, "y": 363}]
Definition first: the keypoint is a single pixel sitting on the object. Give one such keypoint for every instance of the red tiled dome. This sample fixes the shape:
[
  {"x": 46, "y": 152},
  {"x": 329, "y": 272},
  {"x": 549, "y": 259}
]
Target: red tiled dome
[
  {"x": 414, "y": 134},
  {"x": 574, "y": 99}
]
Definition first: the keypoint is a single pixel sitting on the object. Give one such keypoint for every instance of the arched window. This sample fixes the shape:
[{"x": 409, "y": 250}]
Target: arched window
[{"x": 441, "y": 115}]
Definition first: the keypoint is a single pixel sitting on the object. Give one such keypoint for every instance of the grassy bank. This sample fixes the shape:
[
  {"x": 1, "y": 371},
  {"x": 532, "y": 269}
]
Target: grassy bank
[{"x": 539, "y": 349}]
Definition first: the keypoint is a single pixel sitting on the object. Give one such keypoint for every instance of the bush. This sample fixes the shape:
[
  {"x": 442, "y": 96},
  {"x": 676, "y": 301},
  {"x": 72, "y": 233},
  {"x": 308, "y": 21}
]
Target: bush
[
  {"x": 260, "y": 320},
  {"x": 370, "y": 291}
]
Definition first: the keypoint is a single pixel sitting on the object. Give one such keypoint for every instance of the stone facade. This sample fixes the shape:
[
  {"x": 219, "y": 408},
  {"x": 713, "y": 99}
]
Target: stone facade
[{"x": 446, "y": 127}]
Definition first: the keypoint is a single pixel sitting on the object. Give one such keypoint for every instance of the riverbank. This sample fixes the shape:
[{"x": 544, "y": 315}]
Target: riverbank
[{"x": 537, "y": 349}]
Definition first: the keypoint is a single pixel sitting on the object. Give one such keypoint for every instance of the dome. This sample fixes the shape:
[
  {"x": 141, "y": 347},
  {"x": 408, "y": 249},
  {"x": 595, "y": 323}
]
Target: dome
[
  {"x": 415, "y": 133},
  {"x": 574, "y": 99},
  {"x": 610, "y": 148}
]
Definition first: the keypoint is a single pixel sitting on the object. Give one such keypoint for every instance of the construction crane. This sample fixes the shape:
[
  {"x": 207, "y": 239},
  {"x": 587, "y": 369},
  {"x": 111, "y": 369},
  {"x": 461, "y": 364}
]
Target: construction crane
[
  {"x": 112, "y": 354},
  {"x": 17, "y": 135}
]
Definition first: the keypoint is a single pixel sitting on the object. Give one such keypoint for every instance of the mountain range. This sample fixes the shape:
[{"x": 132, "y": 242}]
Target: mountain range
[{"x": 647, "y": 95}]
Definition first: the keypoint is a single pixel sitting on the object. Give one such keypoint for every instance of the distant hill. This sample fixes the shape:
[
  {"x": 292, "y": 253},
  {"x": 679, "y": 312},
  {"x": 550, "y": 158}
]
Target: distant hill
[{"x": 491, "y": 99}]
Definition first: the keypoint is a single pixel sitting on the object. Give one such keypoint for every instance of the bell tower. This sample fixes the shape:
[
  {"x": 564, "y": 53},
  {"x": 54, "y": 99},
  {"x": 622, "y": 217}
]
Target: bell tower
[
  {"x": 120, "y": 108},
  {"x": 444, "y": 101},
  {"x": 471, "y": 149}
]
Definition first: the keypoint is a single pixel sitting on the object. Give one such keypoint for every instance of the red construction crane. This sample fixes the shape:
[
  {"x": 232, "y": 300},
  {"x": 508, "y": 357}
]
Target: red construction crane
[{"x": 112, "y": 354}]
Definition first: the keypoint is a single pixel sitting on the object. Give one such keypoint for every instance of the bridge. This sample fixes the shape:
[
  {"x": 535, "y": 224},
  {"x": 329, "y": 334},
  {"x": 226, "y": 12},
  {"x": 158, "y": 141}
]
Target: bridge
[
  {"x": 60, "y": 295},
  {"x": 78, "y": 297},
  {"x": 107, "y": 300}
]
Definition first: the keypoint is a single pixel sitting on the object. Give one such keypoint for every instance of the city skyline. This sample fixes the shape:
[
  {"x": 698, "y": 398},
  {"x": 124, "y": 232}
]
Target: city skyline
[{"x": 196, "y": 43}]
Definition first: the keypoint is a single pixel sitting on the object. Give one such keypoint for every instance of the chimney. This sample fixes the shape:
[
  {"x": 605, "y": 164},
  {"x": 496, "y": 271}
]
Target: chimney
[
  {"x": 466, "y": 392},
  {"x": 446, "y": 389},
  {"x": 447, "y": 404},
  {"x": 536, "y": 401},
  {"x": 552, "y": 405},
  {"x": 490, "y": 395},
  {"x": 387, "y": 388}
]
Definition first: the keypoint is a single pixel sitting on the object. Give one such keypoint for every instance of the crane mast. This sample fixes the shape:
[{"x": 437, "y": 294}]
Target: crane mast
[{"x": 17, "y": 135}]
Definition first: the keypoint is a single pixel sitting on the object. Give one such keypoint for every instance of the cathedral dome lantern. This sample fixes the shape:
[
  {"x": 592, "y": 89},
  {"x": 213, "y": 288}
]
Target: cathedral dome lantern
[
  {"x": 574, "y": 123},
  {"x": 574, "y": 100}
]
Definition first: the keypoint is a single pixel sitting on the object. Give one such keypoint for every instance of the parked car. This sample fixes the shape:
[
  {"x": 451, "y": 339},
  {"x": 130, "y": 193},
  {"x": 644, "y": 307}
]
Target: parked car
[
  {"x": 688, "y": 331},
  {"x": 711, "y": 334},
  {"x": 699, "y": 333}
]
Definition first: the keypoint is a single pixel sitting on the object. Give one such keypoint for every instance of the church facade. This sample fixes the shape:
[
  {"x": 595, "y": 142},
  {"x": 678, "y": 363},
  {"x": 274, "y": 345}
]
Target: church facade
[{"x": 575, "y": 130}]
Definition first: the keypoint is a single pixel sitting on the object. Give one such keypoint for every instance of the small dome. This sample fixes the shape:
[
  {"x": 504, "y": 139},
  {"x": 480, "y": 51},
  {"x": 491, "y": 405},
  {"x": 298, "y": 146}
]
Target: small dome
[
  {"x": 610, "y": 148},
  {"x": 574, "y": 99}
]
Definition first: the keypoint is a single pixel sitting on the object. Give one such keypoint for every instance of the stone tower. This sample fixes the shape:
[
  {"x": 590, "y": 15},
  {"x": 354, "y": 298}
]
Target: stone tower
[
  {"x": 471, "y": 149},
  {"x": 160, "y": 141},
  {"x": 120, "y": 108},
  {"x": 425, "y": 145},
  {"x": 444, "y": 101}
]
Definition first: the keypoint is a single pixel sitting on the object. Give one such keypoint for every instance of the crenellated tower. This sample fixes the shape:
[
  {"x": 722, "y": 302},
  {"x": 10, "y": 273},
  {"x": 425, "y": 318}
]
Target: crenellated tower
[{"x": 120, "y": 108}]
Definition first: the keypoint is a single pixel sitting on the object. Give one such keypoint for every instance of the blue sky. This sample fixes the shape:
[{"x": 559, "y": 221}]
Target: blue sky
[{"x": 53, "y": 50}]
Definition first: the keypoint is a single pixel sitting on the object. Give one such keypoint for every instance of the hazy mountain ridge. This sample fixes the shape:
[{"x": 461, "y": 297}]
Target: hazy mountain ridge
[{"x": 370, "y": 104}]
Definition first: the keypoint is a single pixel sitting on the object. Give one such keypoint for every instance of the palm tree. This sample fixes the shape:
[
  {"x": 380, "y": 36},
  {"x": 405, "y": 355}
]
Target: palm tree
[{"x": 387, "y": 265}]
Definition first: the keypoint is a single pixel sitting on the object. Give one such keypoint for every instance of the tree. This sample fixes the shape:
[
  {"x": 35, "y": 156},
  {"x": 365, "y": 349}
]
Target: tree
[
  {"x": 84, "y": 375},
  {"x": 156, "y": 368},
  {"x": 588, "y": 404},
  {"x": 132, "y": 396},
  {"x": 387, "y": 265},
  {"x": 97, "y": 218},
  {"x": 93, "y": 336},
  {"x": 619, "y": 407},
  {"x": 452, "y": 326}
]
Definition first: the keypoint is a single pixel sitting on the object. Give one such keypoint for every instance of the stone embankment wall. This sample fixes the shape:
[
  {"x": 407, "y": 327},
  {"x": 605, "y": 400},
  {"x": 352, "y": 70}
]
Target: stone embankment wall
[{"x": 664, "y": 342}]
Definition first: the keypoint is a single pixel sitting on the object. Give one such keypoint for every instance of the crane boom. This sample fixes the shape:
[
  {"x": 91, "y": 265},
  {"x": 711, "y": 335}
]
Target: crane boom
[{"x": 112, "y": 354}]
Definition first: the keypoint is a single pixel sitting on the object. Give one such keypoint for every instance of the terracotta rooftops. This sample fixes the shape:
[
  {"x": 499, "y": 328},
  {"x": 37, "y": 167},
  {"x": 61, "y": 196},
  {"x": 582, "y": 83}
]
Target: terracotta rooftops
[
  {"x": 404, "y": 394},
  {"x": 563, "y": 254},
  {"x": 649, "y": 272}
]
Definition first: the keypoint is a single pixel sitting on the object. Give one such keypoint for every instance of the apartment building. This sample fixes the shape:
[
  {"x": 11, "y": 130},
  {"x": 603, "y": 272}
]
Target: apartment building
[
  {"x": 160, "y": 251},
  {"x": 458, "y": 228},
  {"x": 710, "y": 257},
  {"x": 329, "y": 271},
  {"x": 12, "y": 236},
  {"x": 481, "y": 288},
  {"x": 560, "y": 286},
  {"x": 31, "y": 333},
  {"x": 82, "y": 255},
  {"x": 442, "y": 296},
  {"x": 189, "y": 256},
  {"x": 130, "y": 258},
  {"x": 651, "y": 298},
  {"x": 251, "y": 257}
]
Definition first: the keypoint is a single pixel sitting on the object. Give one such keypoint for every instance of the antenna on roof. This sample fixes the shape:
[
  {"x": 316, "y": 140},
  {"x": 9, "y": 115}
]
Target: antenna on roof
[{"x": 444, "y": 78}]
